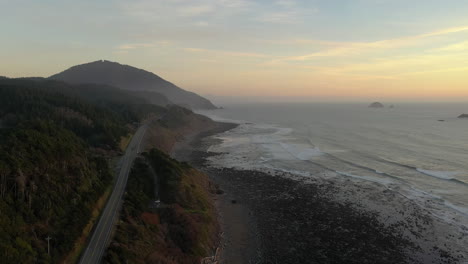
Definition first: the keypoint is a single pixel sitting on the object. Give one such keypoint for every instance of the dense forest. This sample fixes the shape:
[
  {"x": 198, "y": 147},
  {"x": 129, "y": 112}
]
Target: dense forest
[
  {"x": 96, "y": 113},
  {"x": 182, "y": 230},
  {"x": 53, "y": 163}
]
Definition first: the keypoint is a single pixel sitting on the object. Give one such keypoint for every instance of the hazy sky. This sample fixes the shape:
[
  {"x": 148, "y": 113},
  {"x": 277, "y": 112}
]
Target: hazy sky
[{"x": 333, "y": 49}]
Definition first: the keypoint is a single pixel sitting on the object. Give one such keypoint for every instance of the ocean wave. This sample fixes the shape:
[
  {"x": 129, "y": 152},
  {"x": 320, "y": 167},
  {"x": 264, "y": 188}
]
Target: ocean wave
[
  {"x": 460, "y": 209},
  {"x": 385, "y": 182},
  {"x": 372, "y": 170},
  {"x": 301, "y": 152},
  {"x": 444, "y": 175},
  {"x": 420, "y": 193},
  {"x": 394, "y": 163}
]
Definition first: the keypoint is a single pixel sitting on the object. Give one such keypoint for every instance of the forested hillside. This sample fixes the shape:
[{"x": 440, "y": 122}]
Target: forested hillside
[
  {"x": 133, "y": 79},
  {"x": 52, "y": 167},
  {"x": 182, "y": 230}
]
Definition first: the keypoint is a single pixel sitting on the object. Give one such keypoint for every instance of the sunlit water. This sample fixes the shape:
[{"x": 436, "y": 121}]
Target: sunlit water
[{"x": 407, "y": 148}]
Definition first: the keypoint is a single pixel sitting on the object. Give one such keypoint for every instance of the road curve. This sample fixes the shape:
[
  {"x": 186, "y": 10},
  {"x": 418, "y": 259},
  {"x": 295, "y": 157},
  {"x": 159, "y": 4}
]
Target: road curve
[{"x": 102, "y": 233}]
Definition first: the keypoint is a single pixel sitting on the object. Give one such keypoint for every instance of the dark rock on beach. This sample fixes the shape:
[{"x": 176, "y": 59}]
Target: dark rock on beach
[{"x": 299, "y": 223}]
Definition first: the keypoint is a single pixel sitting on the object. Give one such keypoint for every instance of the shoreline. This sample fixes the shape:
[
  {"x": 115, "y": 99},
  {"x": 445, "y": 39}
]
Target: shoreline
[
  {"x": 239, "y": 241},
  {"x": 400, "y": 238}
]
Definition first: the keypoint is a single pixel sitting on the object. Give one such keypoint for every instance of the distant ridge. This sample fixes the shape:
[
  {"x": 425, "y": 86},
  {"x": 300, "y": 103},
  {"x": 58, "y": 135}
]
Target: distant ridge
[{"x": 133, "y": 79}]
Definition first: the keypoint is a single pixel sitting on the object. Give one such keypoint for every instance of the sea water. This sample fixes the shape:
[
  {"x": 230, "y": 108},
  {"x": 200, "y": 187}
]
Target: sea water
[{"x": 419, "y": 149}]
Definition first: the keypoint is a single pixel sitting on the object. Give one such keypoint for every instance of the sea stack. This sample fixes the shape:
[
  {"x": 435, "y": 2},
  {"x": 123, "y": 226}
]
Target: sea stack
[
  {"x": 463, "y": 116},
  {"x": 376, "y": 105}
]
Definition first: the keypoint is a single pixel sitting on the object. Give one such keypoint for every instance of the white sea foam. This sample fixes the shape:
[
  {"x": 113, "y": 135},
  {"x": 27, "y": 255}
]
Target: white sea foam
[
  {"x": 445, "y": 175},
  {"x": 381, "y": 181},
  {"x": 460, "y": 209},
  {"x": 301, "y": 151},
  {"x": 438, "y": 206}
]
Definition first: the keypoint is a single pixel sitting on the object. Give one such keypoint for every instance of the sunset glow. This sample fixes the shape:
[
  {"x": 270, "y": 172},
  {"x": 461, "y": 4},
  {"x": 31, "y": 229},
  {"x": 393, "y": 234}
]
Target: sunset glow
[{"x": 298, "y": 50}]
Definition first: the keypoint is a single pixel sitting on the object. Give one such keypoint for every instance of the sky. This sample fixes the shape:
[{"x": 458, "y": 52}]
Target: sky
[{"x": 276, "y": 50}]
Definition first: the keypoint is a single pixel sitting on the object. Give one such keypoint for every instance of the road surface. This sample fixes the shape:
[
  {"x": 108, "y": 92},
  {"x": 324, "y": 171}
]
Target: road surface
[{"x": 102, "y": 233}]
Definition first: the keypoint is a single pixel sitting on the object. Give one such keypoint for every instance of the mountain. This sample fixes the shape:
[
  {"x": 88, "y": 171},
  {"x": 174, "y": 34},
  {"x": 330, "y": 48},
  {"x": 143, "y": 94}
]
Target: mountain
[
  {"x": 463, "y": 116},
  {"x": 130, "y": 78}
]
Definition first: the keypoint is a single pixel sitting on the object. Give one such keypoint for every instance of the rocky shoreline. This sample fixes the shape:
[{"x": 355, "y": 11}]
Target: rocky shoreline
[{"x": 275, "y": 217}]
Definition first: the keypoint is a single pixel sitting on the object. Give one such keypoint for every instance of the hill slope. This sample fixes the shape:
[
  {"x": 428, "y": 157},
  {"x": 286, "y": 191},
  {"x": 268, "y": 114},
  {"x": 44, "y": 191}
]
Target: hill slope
[
  {"x": 55, "y": 142},
  {"x": 183, "y": 230},
  {"x": 131, "y": 78},
  {"x": 51, "y": 172}
]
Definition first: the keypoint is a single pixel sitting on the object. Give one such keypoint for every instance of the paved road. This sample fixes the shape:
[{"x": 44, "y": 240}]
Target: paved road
[{"x": 102, "y": 233}]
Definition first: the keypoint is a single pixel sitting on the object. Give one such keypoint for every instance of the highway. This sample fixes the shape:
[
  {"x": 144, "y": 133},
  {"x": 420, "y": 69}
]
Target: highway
[{"x": 102, "y": 233}]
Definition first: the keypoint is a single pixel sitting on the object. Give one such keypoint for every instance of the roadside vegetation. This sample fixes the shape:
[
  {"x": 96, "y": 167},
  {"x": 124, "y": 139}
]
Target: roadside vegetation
[{"x": 182, "y": 230}]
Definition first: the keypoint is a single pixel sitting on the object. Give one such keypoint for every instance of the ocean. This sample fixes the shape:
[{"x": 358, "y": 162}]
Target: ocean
[{"x": 419, "y": 150}]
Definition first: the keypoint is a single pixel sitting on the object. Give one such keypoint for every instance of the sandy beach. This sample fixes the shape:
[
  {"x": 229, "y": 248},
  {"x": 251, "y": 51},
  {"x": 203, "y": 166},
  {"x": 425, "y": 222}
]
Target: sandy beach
[{"x": 276, "y": 217}]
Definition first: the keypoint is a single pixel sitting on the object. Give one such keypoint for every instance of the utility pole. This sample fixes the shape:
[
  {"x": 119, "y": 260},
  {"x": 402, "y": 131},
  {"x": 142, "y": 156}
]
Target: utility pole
[{"x": 48, "y": 238}]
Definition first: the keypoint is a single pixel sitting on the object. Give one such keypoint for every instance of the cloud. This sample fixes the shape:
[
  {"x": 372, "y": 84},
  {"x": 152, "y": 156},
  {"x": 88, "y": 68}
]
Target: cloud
[
  {"x": 286, "y": 12},
  {"x": 132, "y": 46},
  {"x": 340, "y": 49},
  {"x": 227, "y": 53},
  {"x": 202, "y": 23},
  {"x": 460, "y": 46},
  {"x": 286, "y": 3},
  {"x": 287, "y": 17},
  {"x": 445, "y": 31},
  {"x": 395, "y": 68},
  {"x": 196, "y": 10},
  {"x": 239, "y": 4},
  {"x": 391, "y": 59},
  {"x": 156, "y": 10},
  {"x": 135, "y": 46}
]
